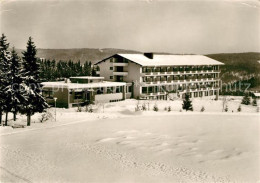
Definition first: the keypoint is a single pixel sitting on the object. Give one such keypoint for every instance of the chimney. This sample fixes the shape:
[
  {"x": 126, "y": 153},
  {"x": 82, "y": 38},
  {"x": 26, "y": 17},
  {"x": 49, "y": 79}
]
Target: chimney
[{"x": 149, "y": 55}]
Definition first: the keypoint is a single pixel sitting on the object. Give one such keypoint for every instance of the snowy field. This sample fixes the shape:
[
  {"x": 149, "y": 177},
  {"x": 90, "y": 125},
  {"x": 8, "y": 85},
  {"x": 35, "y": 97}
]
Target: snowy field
[{"x": 118, "y": 144}]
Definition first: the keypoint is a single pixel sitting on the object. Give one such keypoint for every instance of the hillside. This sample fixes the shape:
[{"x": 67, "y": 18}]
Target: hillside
[
  {"x": 82, "y": 54},
  {"x": 243, "y": 67}
]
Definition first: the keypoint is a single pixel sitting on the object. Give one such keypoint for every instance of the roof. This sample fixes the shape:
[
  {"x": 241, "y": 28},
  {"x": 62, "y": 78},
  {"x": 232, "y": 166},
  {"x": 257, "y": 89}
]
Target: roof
[
  {"x": 257, "y": 94},
  {"x": 62, "y": 84},
  {"x": 169, "y": 60},
  {"x": 86, "y": 77}
]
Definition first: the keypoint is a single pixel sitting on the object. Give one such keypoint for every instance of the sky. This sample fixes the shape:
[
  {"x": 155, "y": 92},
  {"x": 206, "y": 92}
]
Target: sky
[{"x": 191, "y": 26}]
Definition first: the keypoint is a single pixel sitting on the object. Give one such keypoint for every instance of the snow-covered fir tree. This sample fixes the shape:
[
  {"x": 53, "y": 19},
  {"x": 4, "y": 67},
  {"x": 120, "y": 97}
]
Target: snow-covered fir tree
[
  {"x": 31, "y": 73},
  {"x": 4, "y": 72},
  {"x": 187, "y": 104},
  {"x": 15, "y": 96}
]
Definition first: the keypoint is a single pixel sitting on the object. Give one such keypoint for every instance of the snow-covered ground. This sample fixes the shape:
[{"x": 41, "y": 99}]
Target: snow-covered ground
[{"x": 118, "y": 144}]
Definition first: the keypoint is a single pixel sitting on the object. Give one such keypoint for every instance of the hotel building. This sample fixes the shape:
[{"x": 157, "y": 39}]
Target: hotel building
[{"x": 159, "y": 76}]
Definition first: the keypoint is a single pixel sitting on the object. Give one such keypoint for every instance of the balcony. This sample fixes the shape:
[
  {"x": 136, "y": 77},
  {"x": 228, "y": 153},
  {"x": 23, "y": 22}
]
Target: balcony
[
  {"x": 120, "y": 64},
  {"x": 120, "y": 73}
]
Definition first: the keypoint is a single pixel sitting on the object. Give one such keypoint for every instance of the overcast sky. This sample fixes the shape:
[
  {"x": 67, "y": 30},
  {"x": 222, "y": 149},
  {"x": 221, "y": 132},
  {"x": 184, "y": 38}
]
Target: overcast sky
[{"x": 163, "y": 26}]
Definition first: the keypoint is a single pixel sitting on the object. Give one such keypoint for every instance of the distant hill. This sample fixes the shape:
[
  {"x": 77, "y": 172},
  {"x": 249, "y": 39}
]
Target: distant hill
[
  {"x": 238, "y": 66},
  {"x": 82, "y": 54}
]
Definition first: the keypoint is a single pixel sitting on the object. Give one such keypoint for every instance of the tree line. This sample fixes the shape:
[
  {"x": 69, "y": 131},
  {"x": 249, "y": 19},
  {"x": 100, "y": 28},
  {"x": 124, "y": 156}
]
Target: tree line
[
  {"x": 52, "y": 70},
  {"x": 20, "y": 82}
]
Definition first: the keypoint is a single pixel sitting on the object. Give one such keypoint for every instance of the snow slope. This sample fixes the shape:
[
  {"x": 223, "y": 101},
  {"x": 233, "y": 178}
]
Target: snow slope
[{"x": 142, "y": 148}]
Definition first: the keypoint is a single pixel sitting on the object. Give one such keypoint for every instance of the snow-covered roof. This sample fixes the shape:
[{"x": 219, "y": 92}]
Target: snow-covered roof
[
  {"x": 169, "y": 60},
  {"x": 257, "y": 94},
  {"x": 86, "y": 77},
  {"x": 62, "y": 84}
]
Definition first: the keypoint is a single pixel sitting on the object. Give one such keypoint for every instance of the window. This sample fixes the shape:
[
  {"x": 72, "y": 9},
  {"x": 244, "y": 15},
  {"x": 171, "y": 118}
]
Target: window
[
  {"x": 111, "y": 60},
  {"x": 47, "y": 94},
  {"x": 118, "y": 89},
  {"x": 111, "y": 68},
  {"x": 144, "y": 89},
  {"x": 111, "y": 77},
  {"x": 129, "y": 89},
  {"x": 100, "y": 91},
  {"x": 78, "y": 95},
  {"x": 109, "y": 90}
]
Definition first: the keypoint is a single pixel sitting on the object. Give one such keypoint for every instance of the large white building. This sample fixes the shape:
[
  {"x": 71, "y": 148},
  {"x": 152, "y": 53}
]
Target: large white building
[{"x": 159, "y": 76}]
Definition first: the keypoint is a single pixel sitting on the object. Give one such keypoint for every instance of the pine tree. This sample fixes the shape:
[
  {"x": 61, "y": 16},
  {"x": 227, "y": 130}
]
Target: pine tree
[
  {"x": 35, "y": 101},
  {"x": 246, "y": 99},
  {"x": 4, "y": 72},
  {"x": 187, "y": 104},
  {"x": 16, "y": 94}
]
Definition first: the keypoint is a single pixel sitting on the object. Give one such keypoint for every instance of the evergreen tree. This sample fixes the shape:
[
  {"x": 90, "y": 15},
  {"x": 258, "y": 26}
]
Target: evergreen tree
[
  {"x": 246, "y": 99},
  {"x": 4, "y": 72},
  {"x": 187, "y": 104},
  {"x": 15, "y": 91},
  {"x": 35, "y": 101}
]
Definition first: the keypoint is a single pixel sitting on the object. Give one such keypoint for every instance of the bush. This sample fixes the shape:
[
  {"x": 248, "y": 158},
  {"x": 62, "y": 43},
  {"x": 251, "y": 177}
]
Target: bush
[
  {"x": 89, "y": 108},
  {"x": 137, "y": 107},
  {"x": 166, "y": 108},
  {"x": 239, "y": 108},
  {"x": 246, "y": 99},
  {"x": 202, "y": 109},
  {"x": 226, "y": 108},
  {"x": 144, "y": 107},
  {"x": 155, "y": 108},
  {"x": 79, "y": 109},
  {"x": 254, "y": 103},
  {"x": 169, "y": 109},
  {"x": 46, "y": 116}
]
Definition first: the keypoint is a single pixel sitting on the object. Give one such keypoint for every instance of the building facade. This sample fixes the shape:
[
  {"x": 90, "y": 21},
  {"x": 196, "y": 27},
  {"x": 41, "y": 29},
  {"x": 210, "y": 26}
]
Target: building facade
[
  {"x": 163, "y": 76},
  {"x": 83, "y": 90}
]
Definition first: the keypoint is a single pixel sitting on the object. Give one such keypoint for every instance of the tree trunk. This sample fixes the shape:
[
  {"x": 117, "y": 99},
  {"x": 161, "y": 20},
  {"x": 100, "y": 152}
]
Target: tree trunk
[
  {"x": 15, "y": 116},
  {"x": 6, "y": 118},
  {"x": 28, "y": 120},
  {"x": 1, "y": 117}
]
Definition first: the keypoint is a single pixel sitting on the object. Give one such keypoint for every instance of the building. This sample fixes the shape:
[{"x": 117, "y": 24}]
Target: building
[
  {"x": 159, "y": 76},
  {"x": 83, "y": 90}
]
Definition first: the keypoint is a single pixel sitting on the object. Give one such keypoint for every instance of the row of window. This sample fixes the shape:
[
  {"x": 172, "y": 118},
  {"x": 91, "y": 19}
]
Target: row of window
[
  {"x": 175, "y": 88},
  {"x": 179, "y": 77},
  {"x": 179, "y": 68}
]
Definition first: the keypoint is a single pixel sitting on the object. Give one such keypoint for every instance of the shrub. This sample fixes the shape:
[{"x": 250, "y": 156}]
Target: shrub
[
  {"x": 137, "y": 107},
  {"x": 246, "y": 99},
  {"x": 144, "y": 107},
  {"x": 46, "y": 116},
  {"x": 89, "y": 108},
  {"x": 169, "y": 109},
  {"x": 202, "y": 109},
  {"x": 155, "y": 108},
  {"x": 239, "y": 108},
  {"x": 254, "y": 103},
  {"x": 165, "y": 108},
  {"x": 226, "y": 108},
  {"x": 79, "y": 109}
]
